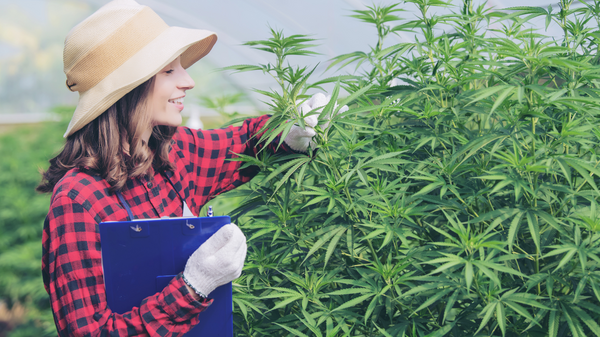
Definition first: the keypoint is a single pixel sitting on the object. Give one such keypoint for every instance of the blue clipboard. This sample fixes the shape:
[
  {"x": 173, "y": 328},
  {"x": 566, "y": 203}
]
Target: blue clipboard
[{"x": 141, "y": 257}]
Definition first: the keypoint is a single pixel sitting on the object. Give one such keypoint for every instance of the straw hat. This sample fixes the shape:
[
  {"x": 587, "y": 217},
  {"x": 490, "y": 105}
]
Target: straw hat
[{"x": 119, "y": 47}]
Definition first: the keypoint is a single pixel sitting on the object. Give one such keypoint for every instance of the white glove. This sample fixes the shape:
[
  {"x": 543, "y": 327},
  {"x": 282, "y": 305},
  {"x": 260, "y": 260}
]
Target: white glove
[
  {"x": 217, "y": 261},
  {"x": 299, "y": 139}
]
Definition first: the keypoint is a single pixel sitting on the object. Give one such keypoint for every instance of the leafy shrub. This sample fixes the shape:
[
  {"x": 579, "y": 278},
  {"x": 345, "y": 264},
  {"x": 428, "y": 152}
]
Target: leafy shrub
[{"x": 460, "y": 201}]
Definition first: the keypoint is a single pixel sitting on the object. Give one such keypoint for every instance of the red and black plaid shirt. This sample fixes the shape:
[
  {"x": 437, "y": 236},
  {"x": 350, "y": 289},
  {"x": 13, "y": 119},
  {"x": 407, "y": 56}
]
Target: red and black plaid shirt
[{"x": 71, "y": 262}]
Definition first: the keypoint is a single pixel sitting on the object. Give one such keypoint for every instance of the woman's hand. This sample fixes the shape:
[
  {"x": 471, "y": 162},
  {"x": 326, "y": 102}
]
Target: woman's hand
[
  {"x": 218, "y": 261},
  {"x": 298, "y": 138}
]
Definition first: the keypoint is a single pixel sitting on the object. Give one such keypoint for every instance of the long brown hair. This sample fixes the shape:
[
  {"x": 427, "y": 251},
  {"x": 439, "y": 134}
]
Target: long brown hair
[{"x": 100, "y": 147}]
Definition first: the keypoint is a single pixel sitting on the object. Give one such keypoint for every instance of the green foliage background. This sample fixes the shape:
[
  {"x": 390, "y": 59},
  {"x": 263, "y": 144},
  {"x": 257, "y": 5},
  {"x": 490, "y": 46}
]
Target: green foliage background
[{"x": 459, "y": 199}]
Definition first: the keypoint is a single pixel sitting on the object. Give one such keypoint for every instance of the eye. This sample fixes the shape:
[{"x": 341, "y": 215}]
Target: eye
[{"x": 169, "y": 71}]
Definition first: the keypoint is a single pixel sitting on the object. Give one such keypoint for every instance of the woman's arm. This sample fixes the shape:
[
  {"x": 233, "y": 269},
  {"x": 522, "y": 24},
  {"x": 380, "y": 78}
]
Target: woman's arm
[
  {"x": 73, "y": 278},
  {"x": 203, "y": 158}
]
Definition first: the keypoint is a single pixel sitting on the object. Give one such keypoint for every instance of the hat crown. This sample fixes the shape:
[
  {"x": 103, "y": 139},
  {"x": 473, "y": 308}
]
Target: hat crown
[
  {"x": 96, "y": 28},
  {"x": 106, "y": 39}
]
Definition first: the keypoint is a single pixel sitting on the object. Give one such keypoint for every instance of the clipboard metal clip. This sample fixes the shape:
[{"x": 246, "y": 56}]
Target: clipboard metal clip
[
  {"x": 190, "y": 226},
  {"x": 137, "y": 228}
]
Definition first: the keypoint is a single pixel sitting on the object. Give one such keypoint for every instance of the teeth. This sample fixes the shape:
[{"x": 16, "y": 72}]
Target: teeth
[{"x": 177, "y": 101}]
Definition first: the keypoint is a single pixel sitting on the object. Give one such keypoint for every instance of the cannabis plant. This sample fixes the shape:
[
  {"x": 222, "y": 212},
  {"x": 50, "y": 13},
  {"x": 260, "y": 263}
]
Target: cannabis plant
[{"x": 457, "y": 197}]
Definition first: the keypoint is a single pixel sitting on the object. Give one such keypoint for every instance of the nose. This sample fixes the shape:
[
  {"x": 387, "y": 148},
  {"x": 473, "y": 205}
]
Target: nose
[{"x": 185, "y": 82}]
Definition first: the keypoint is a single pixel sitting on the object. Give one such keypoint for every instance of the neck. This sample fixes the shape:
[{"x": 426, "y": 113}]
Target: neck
[
  {"x": 126, "y": 148},
  {"x": 146, "y": 135}
]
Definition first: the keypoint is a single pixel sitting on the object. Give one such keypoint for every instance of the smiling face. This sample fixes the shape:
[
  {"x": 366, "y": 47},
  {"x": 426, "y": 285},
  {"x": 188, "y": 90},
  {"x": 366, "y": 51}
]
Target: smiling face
[{"x": 165, "y": 101}]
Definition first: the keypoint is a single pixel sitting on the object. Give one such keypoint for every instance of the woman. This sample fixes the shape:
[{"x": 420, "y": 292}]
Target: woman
[{"x": 125, "y": 157}]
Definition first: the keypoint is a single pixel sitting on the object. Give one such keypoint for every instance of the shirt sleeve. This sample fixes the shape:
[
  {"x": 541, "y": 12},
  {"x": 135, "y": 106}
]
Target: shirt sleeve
[
  {"x": 207, "y": 154},
  {"x": 73, "y": 277}
]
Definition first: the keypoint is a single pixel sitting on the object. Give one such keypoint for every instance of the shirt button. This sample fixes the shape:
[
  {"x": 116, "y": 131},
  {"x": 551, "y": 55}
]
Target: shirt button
[{"x": 149, "y": 184}]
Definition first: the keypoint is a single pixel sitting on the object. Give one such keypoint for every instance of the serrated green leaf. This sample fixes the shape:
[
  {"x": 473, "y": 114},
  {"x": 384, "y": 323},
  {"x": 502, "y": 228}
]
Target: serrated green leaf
[{"x": 353, "y": 302}]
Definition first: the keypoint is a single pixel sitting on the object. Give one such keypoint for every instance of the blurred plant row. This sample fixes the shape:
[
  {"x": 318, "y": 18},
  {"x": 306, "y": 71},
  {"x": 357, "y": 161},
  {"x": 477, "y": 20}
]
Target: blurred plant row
[
  {"x": 24, "y": 305},
  {"x": 457, "y": 197}
]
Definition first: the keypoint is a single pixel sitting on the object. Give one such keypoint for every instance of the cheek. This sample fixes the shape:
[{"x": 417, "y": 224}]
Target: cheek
[
  {"x": 158, "y": 103},
  {"x": 156, "y": 108},
  {"x": 162, "y": 92}
]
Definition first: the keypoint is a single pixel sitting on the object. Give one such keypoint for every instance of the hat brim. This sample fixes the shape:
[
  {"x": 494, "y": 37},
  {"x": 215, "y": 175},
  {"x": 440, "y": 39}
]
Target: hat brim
[{"x": 190, "y": 44}]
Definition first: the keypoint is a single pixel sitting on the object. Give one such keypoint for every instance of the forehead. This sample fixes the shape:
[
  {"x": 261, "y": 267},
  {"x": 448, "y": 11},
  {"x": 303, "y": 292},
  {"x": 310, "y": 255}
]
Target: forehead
[
  {"x": 173, "y": 63},
  {"x": 176, "y": 61}
]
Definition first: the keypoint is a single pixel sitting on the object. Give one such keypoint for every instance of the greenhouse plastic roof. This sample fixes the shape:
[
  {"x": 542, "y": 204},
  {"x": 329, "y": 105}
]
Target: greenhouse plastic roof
[{"x": 32, "y": 34}]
